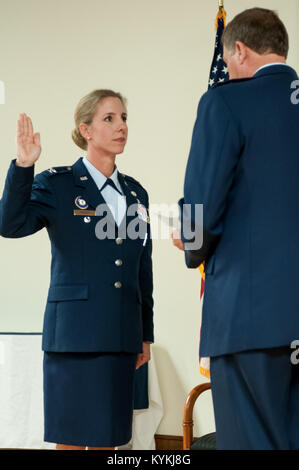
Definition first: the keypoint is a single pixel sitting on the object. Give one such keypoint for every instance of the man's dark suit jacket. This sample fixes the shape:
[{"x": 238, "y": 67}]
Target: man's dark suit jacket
[{"x": 244, "y": 168}]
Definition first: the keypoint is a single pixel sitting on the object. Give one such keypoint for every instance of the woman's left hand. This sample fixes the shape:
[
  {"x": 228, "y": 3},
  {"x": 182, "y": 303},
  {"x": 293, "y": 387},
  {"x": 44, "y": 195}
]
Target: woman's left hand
[{"x": 145, "y": 356}]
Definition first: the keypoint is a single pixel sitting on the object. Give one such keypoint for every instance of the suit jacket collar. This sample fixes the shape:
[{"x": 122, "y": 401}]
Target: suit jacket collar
[
  {"x": 275, "y": 69},
  {"x": 98, "y": 177},
  {"x": 83, "y": 179}
]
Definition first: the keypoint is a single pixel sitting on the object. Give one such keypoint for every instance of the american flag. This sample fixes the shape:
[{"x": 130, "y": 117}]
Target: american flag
[
  {"x": 218, "y": 74},
  {"x": 219, "y": 71}
]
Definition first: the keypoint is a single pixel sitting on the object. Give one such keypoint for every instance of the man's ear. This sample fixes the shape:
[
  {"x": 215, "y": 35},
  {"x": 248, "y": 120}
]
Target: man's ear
[{"x": 241, "y": 52}]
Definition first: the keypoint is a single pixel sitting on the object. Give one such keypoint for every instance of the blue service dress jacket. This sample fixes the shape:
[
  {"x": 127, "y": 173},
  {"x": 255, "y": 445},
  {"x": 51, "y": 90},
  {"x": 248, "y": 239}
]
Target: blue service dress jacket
[
  {"x": 243, "y": 167},
  {"x": 100, "y": 293}
]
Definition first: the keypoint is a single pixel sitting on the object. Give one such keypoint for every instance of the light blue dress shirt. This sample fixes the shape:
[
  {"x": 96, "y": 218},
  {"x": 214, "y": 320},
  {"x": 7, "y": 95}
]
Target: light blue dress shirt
[{"x": 115, "y": 201}]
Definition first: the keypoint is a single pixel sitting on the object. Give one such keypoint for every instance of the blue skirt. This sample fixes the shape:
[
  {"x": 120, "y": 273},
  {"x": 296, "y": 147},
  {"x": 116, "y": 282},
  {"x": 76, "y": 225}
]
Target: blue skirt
[{"x": 88, "y": 398}]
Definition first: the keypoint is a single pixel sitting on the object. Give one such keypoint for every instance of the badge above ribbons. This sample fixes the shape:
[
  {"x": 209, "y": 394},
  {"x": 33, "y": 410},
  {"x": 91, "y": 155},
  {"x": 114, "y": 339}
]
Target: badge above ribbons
[
  {"x": 141, "y": 209},
  {"x": 142, "y": 213},
  {"x": 81, "y": 203}
]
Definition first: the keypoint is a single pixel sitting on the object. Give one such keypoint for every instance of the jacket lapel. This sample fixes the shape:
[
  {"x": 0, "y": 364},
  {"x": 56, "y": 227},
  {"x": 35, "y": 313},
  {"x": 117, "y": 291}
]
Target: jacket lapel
[{"x": 131, "y": 199}]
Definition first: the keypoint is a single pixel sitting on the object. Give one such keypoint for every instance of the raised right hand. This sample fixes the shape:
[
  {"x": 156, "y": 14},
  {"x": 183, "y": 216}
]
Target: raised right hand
[{"x": 28, "y": 144}]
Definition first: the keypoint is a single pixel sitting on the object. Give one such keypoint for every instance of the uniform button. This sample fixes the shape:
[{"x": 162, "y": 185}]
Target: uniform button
[
  {"x": 118, "y": 262},
  {"x": 117, "y": 285},
  {"x": 133, "y": 193},
  {"x": 118, "y": 241},
  {"x": 87, "y": 219}
]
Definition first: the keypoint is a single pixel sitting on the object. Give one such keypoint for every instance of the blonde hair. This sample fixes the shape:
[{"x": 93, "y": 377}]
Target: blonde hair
[{"x": 86, "y": 109}]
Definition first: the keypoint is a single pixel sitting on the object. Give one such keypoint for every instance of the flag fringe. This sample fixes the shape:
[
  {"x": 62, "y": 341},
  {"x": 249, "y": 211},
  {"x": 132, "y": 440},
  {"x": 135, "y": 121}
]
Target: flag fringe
[
  {"x": 221, "y": 15},
  {"x": 204, "y": 372},
  {"x": 202, "y": 271}
]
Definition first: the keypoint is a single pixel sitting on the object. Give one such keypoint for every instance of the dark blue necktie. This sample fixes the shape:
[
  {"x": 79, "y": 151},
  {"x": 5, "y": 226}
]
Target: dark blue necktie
[{"x": 110, "y": 183}]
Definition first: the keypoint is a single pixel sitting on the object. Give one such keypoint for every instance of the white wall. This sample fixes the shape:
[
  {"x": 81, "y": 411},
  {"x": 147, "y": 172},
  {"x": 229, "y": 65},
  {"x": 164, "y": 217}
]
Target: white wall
[{"x": 158, "y": 54}]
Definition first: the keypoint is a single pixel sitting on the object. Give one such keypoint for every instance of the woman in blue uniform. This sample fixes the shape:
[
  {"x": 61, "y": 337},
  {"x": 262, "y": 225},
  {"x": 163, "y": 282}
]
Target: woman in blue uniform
[{"x": 98, "y": 321}]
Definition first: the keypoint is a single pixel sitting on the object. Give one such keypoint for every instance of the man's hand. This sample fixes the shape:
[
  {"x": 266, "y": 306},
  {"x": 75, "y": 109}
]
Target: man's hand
[
  {"x": 145, "y": 356},
  {"x": 176, "y": 239}
]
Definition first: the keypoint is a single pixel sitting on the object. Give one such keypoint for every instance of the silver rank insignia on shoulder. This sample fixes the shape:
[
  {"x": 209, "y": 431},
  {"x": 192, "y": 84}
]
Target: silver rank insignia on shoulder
[
  {"x": 52, "y": 170},
  {"x": 81, "y": 203}
]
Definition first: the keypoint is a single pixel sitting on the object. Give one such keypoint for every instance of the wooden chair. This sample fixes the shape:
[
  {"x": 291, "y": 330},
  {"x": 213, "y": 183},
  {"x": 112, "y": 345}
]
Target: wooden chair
[{"x": 206, "y": 442}]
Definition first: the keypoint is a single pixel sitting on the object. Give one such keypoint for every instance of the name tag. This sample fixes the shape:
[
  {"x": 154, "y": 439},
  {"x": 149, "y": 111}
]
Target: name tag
[{"x": 83, "y": 212}]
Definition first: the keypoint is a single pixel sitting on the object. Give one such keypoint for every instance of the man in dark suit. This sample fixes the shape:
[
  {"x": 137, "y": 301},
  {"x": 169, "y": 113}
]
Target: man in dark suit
[{"x": 243, "y": 169}]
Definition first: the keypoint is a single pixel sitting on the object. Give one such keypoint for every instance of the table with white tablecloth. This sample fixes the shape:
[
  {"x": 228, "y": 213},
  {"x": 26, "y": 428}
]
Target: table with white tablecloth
[{"x": 21, "y": 397}]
